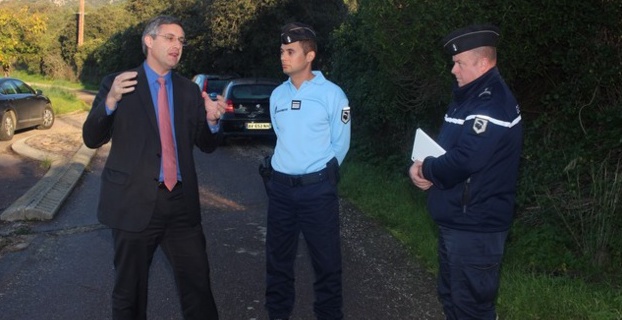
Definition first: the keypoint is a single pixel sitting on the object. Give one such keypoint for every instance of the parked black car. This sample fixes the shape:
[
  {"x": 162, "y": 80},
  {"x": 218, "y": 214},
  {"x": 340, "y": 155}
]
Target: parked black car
[
  {"x": 22, "y": 107},
  {"x": 211, "y": 83},
  {"x": 248, "y": 107}
]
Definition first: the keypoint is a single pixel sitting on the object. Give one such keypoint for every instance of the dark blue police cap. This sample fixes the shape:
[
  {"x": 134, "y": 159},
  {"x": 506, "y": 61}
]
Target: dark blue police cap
[
  {"x": 471, "y": 37},
  {"x": 296, "y": 31}
]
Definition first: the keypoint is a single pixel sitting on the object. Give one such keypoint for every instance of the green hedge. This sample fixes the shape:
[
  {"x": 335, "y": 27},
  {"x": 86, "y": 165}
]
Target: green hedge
[{"x": 564, "y": 63}]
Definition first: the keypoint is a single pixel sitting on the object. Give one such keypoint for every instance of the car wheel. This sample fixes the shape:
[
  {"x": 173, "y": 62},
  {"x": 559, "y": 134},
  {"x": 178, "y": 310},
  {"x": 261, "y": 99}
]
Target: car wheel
[
  {"x": 7, "y": 127},
  {"x": 48, "y": 118}
]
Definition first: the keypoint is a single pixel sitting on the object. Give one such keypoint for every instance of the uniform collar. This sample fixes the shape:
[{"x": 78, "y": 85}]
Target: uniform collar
[
  {"x": 317, "y": 79},
  {"x": 474, "y": 88}
]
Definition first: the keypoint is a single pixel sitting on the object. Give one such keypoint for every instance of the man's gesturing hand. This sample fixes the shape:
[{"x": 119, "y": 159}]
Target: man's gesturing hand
[
  {"x": 213, "y": 108},
  {"x": 123, "y": 83}
]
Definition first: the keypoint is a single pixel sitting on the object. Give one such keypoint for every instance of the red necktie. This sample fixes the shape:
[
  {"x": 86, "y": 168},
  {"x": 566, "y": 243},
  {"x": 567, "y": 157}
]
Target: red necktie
[{"x": 169, "y": 162}]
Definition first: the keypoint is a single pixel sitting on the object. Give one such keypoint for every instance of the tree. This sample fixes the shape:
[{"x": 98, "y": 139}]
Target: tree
[
  {"x": 243, "y": 35},
  {"x": 20, "y": 32}
]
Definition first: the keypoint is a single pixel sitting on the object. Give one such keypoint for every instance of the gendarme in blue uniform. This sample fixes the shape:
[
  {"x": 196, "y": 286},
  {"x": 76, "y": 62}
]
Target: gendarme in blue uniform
[
  {"x": 472, "y": 187},
  {"x": 311, "y": 123},
  {"x": 475, "y": 181}
]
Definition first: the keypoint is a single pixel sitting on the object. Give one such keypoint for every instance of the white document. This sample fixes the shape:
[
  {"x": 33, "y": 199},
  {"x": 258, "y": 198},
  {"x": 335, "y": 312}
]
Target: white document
[{"x": 424, "y": 146}]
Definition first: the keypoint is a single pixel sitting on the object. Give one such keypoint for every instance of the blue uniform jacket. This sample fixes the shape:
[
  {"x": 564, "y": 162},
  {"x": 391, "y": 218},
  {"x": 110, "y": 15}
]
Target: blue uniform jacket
[{"x": 475, "y": 180}]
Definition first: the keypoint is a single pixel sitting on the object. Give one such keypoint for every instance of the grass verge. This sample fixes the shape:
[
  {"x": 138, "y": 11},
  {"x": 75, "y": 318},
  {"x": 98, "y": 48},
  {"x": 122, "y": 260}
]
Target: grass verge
[
  {"x": 61, "y": 93},
  {"x": 64, "y": 101},
  {"x": 35, "y": 78},
  {"x": 400, "y": 207}
]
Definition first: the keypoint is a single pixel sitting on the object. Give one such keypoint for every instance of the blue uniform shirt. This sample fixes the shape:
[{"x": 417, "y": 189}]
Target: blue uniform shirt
[{"x": 312, "y": 125}]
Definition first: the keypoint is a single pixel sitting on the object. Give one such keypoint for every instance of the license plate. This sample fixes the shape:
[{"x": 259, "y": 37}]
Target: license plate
[{"x": 258, "y": 126}]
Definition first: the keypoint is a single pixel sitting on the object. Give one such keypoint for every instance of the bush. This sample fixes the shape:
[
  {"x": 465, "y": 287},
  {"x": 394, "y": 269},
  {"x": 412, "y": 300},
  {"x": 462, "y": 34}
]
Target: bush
[{"x": 563, "y": 60}]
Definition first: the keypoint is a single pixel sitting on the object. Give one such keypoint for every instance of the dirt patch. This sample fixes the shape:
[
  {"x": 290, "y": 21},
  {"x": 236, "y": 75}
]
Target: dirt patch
[{"x": 64, "y": 144}]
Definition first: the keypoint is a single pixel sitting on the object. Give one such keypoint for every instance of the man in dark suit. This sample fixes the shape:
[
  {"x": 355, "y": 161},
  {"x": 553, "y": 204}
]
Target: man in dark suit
[{"x": 154, "y": 118}]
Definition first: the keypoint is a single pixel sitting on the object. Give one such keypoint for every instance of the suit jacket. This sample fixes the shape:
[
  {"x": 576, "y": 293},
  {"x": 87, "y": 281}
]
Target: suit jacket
[{"x": 130, "y": 178}]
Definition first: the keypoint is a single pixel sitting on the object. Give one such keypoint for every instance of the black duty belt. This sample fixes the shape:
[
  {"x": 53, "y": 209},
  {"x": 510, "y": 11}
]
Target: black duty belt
[{"x": 300, "y": 180}]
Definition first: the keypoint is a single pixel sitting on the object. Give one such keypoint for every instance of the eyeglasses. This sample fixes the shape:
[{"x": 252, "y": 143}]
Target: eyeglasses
[{"x": 171, "y": 37}]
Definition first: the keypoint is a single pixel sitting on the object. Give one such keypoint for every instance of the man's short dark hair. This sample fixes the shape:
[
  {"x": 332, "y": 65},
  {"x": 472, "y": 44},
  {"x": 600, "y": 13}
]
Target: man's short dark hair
[{"x": 152, "y": 27}]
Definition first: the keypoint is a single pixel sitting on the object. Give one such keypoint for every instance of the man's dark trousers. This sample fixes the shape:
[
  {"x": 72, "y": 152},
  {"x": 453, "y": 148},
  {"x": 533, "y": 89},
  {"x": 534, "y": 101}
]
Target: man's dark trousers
[
  {"x": 182, "y": 242},
  {"x": 313, "y": 210},
  {"x": 469, "y": 266}
]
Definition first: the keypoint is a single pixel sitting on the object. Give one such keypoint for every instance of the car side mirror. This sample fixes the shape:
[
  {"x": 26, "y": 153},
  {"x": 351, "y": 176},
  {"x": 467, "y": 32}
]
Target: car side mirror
[{"x": 39, "y": 92}]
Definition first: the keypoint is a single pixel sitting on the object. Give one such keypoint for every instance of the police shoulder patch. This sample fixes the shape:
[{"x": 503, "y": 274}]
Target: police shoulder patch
[
  {"x": 479, "y": 125},
  {"x": 345, "y": 115}
]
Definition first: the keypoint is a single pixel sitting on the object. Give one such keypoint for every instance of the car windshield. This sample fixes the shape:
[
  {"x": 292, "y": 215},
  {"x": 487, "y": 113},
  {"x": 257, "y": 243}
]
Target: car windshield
[
  {"x": 252, "y": 92},
  {"x": 23, "y": 88}
]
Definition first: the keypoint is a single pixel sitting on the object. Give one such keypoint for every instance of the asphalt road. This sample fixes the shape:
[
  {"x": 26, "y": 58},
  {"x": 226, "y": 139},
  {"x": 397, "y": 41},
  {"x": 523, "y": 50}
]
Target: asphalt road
[
  {"x": 17, "y": 173},
  {"x": 62, "y": 269}
]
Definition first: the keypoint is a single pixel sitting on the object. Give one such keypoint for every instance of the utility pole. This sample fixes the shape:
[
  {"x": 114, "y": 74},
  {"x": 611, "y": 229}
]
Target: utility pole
[{"x": 81, "y": 23}]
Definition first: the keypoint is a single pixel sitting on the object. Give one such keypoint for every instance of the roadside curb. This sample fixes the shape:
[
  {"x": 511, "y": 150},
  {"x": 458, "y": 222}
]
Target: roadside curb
[{"x": 44, "y": 199}]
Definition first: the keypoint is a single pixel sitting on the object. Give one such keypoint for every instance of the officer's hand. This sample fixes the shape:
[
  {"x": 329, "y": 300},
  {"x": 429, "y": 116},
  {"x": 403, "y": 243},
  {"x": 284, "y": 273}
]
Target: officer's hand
[{"x": 416, "y": 175}]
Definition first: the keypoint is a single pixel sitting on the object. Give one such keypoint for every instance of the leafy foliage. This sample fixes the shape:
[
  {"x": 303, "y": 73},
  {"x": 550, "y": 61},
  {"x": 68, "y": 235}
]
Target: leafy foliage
[
  {"x": 564, "y": 62},
  {"x": 238, "y": 37},
  {"x": 243, "y": 35},
  {"x": 20, "y": 28}
]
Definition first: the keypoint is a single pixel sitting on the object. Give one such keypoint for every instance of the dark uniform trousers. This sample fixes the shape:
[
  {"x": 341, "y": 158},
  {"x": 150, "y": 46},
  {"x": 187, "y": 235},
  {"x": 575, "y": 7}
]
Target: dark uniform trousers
[
  {"x": 312, "y": 209},
  {"x": 469, "y": 267},
  {"x": 182, "y": 242}
]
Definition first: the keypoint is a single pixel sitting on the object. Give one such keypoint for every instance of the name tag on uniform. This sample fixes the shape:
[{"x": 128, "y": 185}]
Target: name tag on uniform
[{"x": 296, "y": 104}]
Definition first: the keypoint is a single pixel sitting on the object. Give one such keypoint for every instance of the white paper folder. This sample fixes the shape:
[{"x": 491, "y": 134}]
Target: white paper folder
[{"x": 424, "y": 146}]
